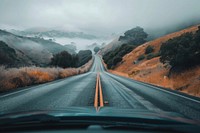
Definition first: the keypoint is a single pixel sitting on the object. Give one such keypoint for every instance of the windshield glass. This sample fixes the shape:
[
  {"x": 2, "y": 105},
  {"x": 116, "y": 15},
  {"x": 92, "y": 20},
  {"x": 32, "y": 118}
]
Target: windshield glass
[{"x": 114, "y": 58}]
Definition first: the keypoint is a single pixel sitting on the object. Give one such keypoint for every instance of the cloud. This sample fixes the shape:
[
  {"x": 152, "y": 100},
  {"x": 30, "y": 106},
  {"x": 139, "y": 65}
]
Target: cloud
[{"x": 97, "y": 16}]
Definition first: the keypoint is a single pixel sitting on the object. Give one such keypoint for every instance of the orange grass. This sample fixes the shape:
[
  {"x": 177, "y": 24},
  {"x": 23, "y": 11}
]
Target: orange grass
[{"x": 11, "y": 78}]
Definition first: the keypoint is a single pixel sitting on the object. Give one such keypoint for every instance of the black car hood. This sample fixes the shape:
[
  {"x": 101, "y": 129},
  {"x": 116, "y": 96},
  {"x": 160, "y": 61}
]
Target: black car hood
[{"x": 104, "y": 112}]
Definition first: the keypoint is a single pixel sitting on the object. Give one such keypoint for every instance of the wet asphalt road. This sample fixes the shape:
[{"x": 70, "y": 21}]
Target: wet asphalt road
[{"x": 118, "y": 92}]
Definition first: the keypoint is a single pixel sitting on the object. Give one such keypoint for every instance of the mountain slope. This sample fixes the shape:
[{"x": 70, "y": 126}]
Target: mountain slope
[
  {"x": 52, "y": 33},
  {"x": 7, "y": 54},
  {"x": 154, "y": 72},
  {"x": 32, "y": 50},
  {"x": 111, "y": 46},
  {"x": 51, "y": 46}
]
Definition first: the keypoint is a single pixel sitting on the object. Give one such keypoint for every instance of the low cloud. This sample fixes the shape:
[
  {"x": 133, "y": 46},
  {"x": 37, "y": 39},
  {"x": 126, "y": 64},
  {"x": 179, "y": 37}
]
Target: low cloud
[{"x": 98, "y": 17}]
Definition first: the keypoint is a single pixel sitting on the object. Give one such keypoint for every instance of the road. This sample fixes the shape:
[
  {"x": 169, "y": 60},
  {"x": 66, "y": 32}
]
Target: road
[{"x": 96, "y": 86}]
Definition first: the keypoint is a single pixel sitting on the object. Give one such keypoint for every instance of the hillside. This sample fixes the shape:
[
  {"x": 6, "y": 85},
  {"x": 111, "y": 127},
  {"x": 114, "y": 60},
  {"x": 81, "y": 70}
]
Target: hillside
[
  {"x": 154, "y": 72},
  {"x": 135, "y": 36},
  {"x": 40, "y": 32},
  {"x": 7, "y": 54},
  {"x": 32, "y": 51},
  {"x": 111, "y": 46}
]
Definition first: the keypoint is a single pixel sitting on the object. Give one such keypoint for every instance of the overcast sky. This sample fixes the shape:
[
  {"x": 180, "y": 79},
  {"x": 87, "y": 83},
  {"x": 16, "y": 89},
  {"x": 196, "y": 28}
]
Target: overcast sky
[{"x": 96, "y": 16}]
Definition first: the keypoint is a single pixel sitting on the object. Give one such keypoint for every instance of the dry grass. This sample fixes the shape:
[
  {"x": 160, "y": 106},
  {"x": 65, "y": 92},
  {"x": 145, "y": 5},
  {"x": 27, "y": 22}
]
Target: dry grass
[
  {"x": 12, "y": 78},
  {"x": 188, "y": 81}
]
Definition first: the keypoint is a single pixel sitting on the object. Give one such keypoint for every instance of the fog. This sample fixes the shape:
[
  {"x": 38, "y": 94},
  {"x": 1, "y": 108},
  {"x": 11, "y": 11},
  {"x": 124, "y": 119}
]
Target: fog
[
  {"x": 99, "y": 17},
  {"x": 81, "y": 44}
]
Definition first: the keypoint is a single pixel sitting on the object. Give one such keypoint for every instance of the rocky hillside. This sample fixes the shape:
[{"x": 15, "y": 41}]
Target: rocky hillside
[{"x": 143, "y": 64}]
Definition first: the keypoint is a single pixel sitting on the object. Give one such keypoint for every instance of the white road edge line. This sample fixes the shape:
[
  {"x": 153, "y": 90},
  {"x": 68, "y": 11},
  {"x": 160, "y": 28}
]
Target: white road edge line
[
  {"x": 166, "y": 91},
  {"x": 141, "y": 100},
  {"x": 14, "y": 93},
  {"x": 174, "y": 93}
]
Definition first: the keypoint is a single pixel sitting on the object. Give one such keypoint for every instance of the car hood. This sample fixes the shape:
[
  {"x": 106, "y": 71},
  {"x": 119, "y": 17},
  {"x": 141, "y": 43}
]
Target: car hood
[{"x": 104, "y": 112}]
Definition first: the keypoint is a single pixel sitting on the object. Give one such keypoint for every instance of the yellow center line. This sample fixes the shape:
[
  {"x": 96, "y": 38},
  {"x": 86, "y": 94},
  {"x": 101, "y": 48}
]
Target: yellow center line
[
  {"x": 96, "y": 93},
  {"x": 98, "y": 100},
  {"x": 100, "y": 93}
]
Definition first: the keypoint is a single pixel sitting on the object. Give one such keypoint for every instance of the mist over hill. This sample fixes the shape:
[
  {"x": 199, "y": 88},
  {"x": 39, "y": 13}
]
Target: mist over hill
[
  {"x": 30, "y": 50},
  {"x": 51, "y": 33}
]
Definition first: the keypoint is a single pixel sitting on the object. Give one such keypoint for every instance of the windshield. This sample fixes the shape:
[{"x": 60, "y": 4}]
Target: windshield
[{"x": 111, "y": 58}]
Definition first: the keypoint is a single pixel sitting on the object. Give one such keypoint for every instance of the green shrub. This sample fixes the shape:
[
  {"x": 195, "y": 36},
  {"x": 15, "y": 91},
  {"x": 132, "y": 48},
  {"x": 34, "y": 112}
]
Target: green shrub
[
  {"x": 149, "y": 49},
  {"x": 157, "y": 54},
  {"x": 96, "y": 49},
  {"x": 84, "y": 56},
  {"x": 117, "y": 60},
  {"x": 150, "y": 56},
  {"x": 62, "y": 59},
  {"x": 182, "y": 51},
  {"x": 141, "y": 57},
  {"x": 118, "y": 53},
  {"x": 65, "y": 60},
  {"x": 109, "y": 64}
]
